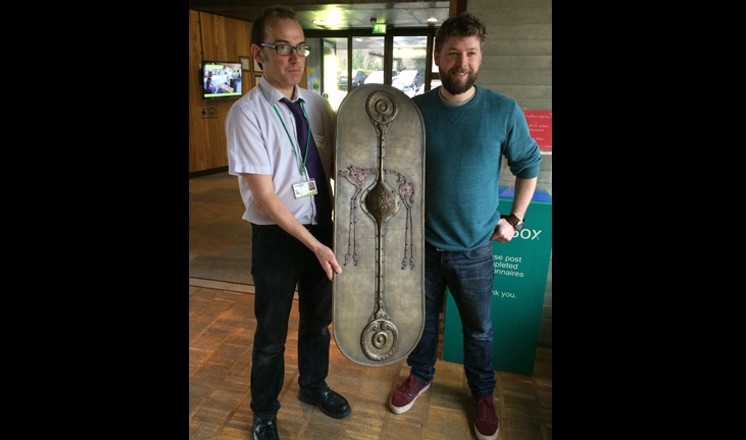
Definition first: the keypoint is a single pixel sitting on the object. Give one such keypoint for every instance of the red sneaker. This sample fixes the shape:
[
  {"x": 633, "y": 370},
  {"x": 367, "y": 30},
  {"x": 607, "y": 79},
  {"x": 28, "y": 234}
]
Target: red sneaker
[
  {"x": 486, "y": 424},
  {"x": 406, "y": 393}
]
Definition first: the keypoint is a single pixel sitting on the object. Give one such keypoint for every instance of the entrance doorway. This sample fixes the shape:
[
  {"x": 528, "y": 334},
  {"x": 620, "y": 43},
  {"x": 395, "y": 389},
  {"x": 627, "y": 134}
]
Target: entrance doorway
[{"x": 340, "y": 63}]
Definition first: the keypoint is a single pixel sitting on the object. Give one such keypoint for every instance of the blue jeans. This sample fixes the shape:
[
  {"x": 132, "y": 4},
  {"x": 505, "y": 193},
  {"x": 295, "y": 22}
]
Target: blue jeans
[
  {"x": 279, "y": 262},
  {"x": 469, "y": 275}
]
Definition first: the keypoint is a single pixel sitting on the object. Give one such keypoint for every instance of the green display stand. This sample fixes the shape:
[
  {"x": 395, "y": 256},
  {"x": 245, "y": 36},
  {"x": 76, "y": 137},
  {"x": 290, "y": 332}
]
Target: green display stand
[{"x": 521, "y": 268}]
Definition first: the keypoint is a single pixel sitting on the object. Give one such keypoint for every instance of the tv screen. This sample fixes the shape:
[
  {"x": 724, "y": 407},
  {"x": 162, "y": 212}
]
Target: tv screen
[{"x": 221, "y": 80}]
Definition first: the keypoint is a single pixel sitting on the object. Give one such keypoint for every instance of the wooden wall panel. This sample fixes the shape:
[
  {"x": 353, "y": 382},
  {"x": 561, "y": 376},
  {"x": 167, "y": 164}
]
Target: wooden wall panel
[{"x": 216, "y": 38}]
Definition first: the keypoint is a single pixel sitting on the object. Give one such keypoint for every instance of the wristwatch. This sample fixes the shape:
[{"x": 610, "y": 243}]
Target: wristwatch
[{"x": 514, "y": 221}]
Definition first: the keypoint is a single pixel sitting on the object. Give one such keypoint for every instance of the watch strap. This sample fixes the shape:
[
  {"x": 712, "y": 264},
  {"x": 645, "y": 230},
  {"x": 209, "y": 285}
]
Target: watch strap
[{"x": 512, "y": 219}]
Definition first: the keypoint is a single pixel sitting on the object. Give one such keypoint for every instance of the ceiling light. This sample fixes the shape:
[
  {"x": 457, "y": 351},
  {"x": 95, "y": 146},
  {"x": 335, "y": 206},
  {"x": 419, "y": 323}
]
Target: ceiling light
[{"x": 432, "y": 20}]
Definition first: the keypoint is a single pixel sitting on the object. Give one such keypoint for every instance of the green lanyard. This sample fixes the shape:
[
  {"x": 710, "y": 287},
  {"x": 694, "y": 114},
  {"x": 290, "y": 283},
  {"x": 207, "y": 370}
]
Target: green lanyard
[{"x": 301, "y": 167}]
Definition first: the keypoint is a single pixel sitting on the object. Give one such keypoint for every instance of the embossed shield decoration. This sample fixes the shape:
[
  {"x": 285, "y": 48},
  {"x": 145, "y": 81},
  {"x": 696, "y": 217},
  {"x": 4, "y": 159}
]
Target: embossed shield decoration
[{"x": 379, "y": 299}]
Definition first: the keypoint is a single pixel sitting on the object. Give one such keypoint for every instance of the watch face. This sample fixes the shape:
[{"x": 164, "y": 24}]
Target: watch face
[{"x": 518, "y": 226}]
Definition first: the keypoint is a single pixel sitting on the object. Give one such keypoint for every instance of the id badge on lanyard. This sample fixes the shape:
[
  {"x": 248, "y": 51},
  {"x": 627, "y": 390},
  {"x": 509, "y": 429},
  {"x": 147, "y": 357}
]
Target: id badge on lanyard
[{"x": 305, "y": 188}]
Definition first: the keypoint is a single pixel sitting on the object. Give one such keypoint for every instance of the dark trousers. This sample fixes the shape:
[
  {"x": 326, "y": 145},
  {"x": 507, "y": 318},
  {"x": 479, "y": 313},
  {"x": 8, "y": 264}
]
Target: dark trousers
[
  {"x": 279, "y": 262},
  {"x": 469, "y": 277}
]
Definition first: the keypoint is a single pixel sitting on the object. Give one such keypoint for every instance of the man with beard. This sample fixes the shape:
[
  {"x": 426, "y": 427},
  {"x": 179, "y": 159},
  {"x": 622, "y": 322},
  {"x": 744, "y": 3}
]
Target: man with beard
[{"x": 467, "y": 129}]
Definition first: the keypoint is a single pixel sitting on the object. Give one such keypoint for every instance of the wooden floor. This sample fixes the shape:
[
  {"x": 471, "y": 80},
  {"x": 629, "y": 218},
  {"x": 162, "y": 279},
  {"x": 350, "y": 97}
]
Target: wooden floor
[{"x": 221, "y": 326}]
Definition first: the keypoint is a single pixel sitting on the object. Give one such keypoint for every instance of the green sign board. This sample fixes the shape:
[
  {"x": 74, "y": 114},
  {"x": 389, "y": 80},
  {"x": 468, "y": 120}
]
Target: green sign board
[
  {"x": 521, "y": 268},
  {"x": 379, "y": 28}
]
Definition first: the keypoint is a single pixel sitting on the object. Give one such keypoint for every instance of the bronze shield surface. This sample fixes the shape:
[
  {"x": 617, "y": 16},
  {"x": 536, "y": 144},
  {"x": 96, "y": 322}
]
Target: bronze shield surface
[{"x": 379, "y": 238}]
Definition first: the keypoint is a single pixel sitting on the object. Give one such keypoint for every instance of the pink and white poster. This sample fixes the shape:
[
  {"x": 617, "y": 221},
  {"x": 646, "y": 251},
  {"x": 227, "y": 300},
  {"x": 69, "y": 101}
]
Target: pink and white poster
[{"x": 540, "y": 126}]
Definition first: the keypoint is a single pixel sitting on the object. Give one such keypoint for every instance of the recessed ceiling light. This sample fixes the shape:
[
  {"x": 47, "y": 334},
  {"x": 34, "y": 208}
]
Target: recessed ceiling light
[{"x": 432, "y": 20}]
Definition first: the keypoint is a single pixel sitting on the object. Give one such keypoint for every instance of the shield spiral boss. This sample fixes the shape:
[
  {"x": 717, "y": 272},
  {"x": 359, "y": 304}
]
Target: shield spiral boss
[{"x": 379, "y": 298}]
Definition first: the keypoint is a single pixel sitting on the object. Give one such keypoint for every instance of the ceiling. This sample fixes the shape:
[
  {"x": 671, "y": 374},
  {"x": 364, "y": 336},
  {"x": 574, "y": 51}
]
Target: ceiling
[{"x": 341, "y": 15}]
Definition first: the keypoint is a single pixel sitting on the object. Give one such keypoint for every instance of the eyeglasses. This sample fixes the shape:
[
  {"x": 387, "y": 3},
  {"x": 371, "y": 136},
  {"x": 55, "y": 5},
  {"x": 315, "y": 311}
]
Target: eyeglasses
[{"x": 285, "y": 49}]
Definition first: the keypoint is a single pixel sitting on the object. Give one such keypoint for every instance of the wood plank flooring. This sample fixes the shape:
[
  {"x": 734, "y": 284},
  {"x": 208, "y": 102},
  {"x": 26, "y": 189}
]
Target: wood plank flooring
[{"x": 221, "y": 326}]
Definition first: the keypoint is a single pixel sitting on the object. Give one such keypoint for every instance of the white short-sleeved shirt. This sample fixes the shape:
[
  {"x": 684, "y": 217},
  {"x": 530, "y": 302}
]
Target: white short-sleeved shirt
[{"x": 258, "y": 144}]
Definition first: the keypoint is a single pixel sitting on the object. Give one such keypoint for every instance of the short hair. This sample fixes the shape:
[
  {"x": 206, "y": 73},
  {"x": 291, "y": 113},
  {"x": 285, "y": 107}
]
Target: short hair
[
  {"x": 463, "y": 25},
  {"x": 260, "y": 24}
]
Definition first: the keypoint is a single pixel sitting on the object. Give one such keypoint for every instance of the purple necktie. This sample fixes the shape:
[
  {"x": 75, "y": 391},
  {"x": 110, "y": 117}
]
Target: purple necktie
[{"x": 313, "y": 162}]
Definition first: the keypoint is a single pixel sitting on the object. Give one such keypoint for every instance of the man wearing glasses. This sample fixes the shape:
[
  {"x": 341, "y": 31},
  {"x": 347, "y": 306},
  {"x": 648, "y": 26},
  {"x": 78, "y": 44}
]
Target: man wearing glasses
[{"x": 280, "y": 143}]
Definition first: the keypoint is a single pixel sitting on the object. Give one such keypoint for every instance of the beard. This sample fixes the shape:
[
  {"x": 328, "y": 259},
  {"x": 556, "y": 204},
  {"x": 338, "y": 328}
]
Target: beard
[{"x": 457, "y": 85}]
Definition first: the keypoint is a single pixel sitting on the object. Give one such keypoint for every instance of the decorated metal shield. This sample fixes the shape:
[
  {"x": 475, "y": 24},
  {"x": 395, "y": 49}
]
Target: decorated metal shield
[{"x": 379, "y": 305}]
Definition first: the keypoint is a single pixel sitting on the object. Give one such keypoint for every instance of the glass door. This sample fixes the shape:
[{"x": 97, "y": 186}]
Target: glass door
[
  {"x": 410, "y": 63},
  {"x": 341, "y": 61}
]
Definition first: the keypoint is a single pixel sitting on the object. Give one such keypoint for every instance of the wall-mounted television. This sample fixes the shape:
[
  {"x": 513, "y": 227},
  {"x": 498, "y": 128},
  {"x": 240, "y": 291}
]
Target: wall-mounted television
[{"x": 221, "y": 79}]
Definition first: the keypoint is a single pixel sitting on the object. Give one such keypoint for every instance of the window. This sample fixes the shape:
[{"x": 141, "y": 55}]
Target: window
[{"x": 345, "y": 60}]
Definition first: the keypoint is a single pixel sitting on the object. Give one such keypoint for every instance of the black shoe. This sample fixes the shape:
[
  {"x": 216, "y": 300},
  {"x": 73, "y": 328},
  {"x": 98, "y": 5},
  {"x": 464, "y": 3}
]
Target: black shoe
[
  {"x": 265, "y": 430},
  {"x": 328, "y": 401}
]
